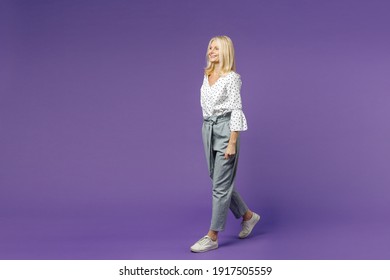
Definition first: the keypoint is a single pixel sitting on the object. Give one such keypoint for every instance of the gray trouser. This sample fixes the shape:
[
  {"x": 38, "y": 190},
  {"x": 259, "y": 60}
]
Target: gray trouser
[{"x": 216, "y": 134}]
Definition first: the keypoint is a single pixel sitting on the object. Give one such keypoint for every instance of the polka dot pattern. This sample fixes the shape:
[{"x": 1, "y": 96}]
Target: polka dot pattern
[{"x": 223, "y": 97}]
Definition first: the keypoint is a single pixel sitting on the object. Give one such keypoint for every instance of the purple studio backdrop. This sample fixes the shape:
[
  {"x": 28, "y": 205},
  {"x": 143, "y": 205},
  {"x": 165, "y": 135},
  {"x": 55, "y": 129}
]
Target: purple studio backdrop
[{"x": 101, "y": 154}]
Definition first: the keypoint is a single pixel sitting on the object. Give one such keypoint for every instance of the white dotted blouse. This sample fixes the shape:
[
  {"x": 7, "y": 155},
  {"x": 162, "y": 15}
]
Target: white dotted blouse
[{"x": 223, "y": 97}]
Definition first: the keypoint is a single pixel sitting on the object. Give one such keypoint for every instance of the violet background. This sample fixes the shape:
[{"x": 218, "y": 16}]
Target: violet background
[{"x": 100, "y": 146}]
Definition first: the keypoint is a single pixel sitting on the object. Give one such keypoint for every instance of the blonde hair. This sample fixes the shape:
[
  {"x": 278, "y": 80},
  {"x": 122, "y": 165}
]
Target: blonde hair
[{"x": 226, "y": 56}]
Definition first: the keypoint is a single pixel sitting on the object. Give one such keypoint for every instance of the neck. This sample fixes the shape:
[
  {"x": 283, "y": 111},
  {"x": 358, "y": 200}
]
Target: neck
[{"x": 217, "y": 69}]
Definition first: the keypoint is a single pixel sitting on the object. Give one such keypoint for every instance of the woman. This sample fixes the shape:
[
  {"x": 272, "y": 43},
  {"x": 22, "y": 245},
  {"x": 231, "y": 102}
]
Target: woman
[{"x": 223, "y": 120}]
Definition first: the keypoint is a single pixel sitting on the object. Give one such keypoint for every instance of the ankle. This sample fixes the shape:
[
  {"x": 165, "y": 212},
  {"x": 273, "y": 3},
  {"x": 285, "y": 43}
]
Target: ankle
[
  {"x": 213, "y": 235},
  {"x": 247, "y": 216}
]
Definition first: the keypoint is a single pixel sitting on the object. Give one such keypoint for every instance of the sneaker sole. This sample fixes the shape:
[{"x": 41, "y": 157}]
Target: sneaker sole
[
  {"x": 245, "y": 236},
  {"x": 203, "y": 251}
]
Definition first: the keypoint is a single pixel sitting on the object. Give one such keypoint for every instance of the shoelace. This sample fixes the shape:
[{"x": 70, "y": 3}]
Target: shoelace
[
  {"x": 245, "y": 225},
  {"x": 203, "y": 241}
]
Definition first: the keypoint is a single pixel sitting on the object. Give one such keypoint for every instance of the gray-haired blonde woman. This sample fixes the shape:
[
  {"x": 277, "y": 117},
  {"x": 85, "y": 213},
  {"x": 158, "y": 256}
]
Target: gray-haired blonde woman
[{"x": 223, "y": 120}]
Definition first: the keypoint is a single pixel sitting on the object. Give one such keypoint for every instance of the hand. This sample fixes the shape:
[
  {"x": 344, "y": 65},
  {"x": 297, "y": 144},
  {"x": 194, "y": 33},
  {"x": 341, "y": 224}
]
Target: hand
[{"x": 230, "y": 151}]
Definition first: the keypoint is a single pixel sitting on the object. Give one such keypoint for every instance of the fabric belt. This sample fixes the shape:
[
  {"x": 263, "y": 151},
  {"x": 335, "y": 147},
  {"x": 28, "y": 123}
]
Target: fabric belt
[{"x": 217, "y": 119}]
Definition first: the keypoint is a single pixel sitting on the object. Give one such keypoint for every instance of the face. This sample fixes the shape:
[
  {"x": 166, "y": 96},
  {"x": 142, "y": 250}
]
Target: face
[{"x": 213, "y": 52}]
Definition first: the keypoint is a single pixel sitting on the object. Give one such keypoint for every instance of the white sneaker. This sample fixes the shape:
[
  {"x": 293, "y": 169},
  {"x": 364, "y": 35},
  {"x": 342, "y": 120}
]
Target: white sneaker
[
  {"x": 247, "y": 226},
  {"x": 204, "y": 244}
]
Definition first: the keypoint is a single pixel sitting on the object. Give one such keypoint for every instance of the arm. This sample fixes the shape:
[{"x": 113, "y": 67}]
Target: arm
[
  {"x": 231, "y": 148},
  {"x": 238, "y": 120}
]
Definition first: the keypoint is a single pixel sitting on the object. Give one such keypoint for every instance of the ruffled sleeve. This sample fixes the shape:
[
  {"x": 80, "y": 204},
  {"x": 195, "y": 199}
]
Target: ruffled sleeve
[{"x": 237, "y": 119}]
